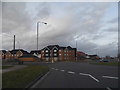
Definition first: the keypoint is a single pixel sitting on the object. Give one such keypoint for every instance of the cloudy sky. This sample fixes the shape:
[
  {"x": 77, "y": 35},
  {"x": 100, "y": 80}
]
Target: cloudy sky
[{"x": 92, "y": 25}]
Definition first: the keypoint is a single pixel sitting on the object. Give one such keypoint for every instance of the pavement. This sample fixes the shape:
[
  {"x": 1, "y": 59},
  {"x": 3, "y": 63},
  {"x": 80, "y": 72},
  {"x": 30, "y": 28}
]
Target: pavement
[
  {"x": 15, "y": 67},
  {"x": 79, "y": 75}
]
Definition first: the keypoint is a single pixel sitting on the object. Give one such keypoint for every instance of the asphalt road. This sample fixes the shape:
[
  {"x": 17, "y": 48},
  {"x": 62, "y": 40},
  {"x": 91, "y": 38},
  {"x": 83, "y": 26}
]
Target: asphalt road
[{"x": 79, "y": 75}]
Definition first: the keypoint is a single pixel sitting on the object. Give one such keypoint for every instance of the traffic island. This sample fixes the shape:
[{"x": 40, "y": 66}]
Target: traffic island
[{"x": 23, "y": 78}]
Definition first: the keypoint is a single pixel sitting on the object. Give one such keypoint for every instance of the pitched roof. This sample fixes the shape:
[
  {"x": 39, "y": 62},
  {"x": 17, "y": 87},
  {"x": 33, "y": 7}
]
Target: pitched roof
[
  {"x": 59, "y": 47},
  {"x": 35, "y": 51},
  {"x": 3, "y": 51},
  {"x": 16, "y": 50},
  {"x": 52, "y": 46},
  {"x": 92, "y": 55}
]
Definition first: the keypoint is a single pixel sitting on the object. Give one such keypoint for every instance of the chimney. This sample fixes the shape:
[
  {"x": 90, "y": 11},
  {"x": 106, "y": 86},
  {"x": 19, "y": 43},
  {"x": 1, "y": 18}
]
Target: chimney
[{"x": 14, "y": 43}]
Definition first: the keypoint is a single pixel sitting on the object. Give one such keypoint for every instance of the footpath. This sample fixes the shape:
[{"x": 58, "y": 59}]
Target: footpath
[{"x": 15, "y": 67}]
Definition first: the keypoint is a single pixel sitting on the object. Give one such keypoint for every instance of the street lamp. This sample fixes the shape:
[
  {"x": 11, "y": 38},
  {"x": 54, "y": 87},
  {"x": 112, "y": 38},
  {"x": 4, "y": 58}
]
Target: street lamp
[{"x": 37, "y": 30}]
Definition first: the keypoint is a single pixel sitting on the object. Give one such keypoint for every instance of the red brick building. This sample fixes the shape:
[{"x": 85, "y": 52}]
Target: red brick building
[
  {"x": 81, "y": 55},
  {"x": 14, "y": 54},
  {"x": 57, "y": 53}
]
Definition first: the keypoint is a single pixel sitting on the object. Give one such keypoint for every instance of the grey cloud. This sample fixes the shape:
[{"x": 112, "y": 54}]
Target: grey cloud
[
  {"x": 14, "y": 16},
  {"x": 43, "y": 11},
  {"x": 81, "y": 21},
  {"x": 115, "y": 20}
]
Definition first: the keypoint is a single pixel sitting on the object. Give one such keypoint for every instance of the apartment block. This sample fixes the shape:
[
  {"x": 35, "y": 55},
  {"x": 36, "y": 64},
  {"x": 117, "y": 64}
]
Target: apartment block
[{"x": 58, "y": 53}]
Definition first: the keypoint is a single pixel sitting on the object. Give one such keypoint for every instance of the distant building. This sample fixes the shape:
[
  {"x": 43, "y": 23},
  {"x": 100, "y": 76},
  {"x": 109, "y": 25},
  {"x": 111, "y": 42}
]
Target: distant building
[
  {"x": 81, "y": 55},
  {"x": 94, "y": 57},
  {"x": 2, "y": 54},
  {"x": 58, "y": 53},
  {"x": 36, "y": 53},
  {"x": 28, "y": 58},
  {"x": 14, "y": 54}
]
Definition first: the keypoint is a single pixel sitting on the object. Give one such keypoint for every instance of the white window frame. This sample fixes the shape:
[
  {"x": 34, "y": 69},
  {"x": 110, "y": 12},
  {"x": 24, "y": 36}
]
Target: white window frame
[
  {"x": 55, "y": 50},
  {"x": 55, "y": 54},
  {"x": 46, "y": 50},
  {"x": 46, "y": 54}
]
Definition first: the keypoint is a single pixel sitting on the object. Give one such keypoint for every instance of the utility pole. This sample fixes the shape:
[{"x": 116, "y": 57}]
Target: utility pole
[
  {"x": 14, "y": 43},
  {"x": 76, "y": 50}
]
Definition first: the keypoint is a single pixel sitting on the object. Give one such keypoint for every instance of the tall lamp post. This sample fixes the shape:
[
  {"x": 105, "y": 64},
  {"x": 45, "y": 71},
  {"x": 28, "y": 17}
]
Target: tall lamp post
[{"x": 37, "y": 30}]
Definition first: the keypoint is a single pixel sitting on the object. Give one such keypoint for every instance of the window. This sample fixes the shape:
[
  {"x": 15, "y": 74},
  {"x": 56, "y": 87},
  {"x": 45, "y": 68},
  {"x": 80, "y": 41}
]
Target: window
[
  {"x": 46, "y": 54},
  {"x": 64, "y": 54},
  {"x": 59, "y": 50},
  {"x": 55, "y": 50},
  {"x": 46, "y": 51},
  {"x": 59, "y": 54},
  {"x": 65, "y": 51},
  {"x": 55, "y": 54},
  {"x": 42, "y": 51}
]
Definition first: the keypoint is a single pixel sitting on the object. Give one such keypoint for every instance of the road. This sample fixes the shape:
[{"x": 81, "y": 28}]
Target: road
[{"x": 79, "y": 75}]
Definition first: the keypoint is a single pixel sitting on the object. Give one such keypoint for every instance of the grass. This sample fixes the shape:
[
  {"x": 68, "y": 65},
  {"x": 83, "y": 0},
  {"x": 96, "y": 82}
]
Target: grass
[
  {"x": 22, "y": 77},
  {"x": 107, "y": 63},
  {"x": 6, "y": 67}
]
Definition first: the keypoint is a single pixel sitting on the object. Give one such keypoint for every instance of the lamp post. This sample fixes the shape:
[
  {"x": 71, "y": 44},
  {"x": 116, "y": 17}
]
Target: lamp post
[{"x": 37, "y": 30}]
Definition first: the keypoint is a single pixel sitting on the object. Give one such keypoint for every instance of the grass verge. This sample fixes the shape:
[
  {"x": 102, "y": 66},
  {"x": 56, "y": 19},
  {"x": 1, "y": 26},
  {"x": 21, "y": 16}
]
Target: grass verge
[
  {"x": 22, "y": 77},
  {"x": 107, "y": 63}
]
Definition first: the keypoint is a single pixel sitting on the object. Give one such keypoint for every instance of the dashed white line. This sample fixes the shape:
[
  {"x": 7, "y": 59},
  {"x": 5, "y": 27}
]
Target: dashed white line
[
  {"x": 110, "y": 77},
  {"x": 56, "y": 69},
  {"x": 84, "y": 74},
  {"x": 71, "y": 72},
  {"x": 62, "y": 70},
  {"x": 52, "y": 68}
]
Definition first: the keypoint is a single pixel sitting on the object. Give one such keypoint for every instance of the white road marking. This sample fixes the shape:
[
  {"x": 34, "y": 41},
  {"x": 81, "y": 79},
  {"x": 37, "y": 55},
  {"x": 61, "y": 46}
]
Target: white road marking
[
  {"x": 52, "y": 68},
  {"x": 84, "y": 74},
  {"x": 71, "y": 72},
  {"x": 89, "y": 76},
  {"x": 110, "y": 77},
  {"x": 56, "y": 69},
  {"x": 62, "y": 70},
  {"x": 109, "y": 88},
  {"x": 94, "y": 78}
]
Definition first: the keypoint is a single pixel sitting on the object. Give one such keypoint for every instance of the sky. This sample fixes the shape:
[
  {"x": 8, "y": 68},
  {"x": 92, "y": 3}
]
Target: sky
[{"x": 92, "y": 27}]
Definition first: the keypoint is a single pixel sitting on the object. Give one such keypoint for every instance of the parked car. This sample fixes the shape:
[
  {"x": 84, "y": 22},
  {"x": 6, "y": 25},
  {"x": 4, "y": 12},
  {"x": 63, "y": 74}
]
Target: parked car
[{"x": 104, "y": 60}]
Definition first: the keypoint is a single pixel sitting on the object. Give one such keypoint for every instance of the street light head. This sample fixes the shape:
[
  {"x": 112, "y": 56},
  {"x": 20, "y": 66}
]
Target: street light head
[
  {"x": 45, "y": 23},
  {"x": 41, "y": 22}
]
